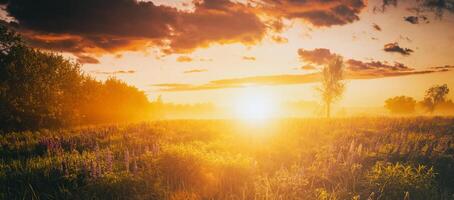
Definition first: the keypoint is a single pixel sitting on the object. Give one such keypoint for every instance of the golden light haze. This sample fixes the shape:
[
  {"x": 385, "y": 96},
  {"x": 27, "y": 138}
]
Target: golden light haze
[{"x": 192, "y": 75}]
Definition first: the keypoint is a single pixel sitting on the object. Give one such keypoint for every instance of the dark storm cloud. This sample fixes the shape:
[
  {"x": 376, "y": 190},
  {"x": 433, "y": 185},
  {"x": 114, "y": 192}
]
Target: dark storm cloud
[
  {"x": 318, "y": 13},
  {"x": 216, "y": 21},
  {"x": 108, "y": 26},
  {"x": 111, "y": 26},
  {"x": 395, "y": 48},
  {"x": 87, "y": 26}
]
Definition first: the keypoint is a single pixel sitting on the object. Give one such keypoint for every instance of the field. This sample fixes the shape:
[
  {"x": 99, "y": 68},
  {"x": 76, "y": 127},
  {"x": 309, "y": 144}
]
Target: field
[{"x": 351, "y": 158}]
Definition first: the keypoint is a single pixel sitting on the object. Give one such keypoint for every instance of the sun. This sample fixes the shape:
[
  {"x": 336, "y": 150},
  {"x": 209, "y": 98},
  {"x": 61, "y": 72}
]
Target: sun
[{"x": 255, "y": 104}]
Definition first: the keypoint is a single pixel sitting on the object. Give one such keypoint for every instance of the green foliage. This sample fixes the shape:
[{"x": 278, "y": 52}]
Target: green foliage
[
  {"x": 45, "y": 90},
  {"x": 356, "y": 158},
  {"x": 395, "y": 181}
]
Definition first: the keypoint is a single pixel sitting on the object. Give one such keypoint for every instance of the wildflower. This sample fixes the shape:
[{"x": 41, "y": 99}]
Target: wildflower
[
  {"x": 109, "y": 161},
  {"x": 127, "y": 160}
]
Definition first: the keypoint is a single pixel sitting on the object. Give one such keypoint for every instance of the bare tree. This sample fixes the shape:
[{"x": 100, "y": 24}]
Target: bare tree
[{"x": 332, "y": 86}]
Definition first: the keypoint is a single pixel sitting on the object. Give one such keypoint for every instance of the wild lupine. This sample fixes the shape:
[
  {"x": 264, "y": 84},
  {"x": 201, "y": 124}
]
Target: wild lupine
[
  {"x": 93, "y": 171},
  {"x": 127, "y": 160},
  {"x": 65, "y": 167},
  {"x": 109, "y": 161},
  {"x": 134, "y": 164}
]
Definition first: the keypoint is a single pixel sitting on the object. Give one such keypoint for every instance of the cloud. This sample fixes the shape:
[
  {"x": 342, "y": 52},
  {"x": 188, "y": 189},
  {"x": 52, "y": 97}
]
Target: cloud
[
  {"x": 354, "y": 70},
  {"x": 195, "y": 71},
  {"x": 99, "y": 27},
  {"x": 378, "y": 69},
  {"x": 216, "y": 21},
  {"x": 438, "y": 7},
  {"x": 184, "y": 59},
  {"x": 322, "y": 56},
  {"x": 394, "y": 47},
  {"x": 250, "y": 58},
  {"x": 110, "y": 26},
  {"x": 284, "y": 79},
  {"x": 115, "y": 72},
  {"x": 376, "y": 27},
  {"x": 444, "y": 68},
  {"x": 318, "y": 12},
  {"x": 416, "y": 19},
  {"x": 308, "y": 67},
  {"x": 317, "y": 56},
  {"x": 91, "y": 26},
  {"x": 279, "y": 39},
  {"x": 82, "y": 59},
  {"x": 240, "y": 82}
]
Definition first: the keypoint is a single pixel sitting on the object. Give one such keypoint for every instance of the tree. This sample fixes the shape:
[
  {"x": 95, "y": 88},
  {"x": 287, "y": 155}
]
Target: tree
[
  {"x": 435, "y": 96},
  {"x": 332, "y": 86},
  {"x": 45, "y": 90},
  {"x": 37, "y": 89},
  {"x": 401, "y": 105}
]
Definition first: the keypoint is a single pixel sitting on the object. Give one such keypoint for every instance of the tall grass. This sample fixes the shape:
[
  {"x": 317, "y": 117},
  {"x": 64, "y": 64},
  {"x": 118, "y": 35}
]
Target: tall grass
[{"x": 354, "y": 158}]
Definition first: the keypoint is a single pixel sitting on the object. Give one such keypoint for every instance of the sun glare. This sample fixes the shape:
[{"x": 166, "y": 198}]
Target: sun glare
[{"x": 254, "y": 104}]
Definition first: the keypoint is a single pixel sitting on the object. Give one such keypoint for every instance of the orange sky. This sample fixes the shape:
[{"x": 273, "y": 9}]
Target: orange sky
[{"x": 214, "y": 51}]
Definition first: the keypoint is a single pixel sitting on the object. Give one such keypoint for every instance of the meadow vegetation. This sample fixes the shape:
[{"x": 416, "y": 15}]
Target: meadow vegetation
[{"x": 351, "y": 158}]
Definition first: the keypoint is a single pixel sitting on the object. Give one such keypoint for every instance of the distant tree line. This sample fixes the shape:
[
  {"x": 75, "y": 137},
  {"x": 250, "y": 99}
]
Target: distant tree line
[
  {"x": 435, "y": 100},
  {"x": 44, "y": 90}
]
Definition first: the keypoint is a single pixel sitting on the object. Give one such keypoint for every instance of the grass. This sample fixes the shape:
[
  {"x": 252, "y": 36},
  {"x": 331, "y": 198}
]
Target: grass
[{"x": 352, "y": 158}]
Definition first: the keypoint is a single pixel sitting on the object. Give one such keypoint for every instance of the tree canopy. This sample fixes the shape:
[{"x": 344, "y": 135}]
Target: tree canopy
[
  {"x": 401, "y": 105},
  {"x": 435, "y": 96},
  {"x": 44, "y": 90},
  {"x": 332, "y": 86}
]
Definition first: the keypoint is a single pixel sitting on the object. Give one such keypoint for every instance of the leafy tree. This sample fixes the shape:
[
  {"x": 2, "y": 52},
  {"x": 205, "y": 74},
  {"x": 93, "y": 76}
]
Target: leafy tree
[
  {"x": 435, "y": 96},
  {"x": 401, "y": 105},
  {"x": 37, "y": 89},
  {"x": 332, "y": 86},
  {"x": 45, "y": 90}
]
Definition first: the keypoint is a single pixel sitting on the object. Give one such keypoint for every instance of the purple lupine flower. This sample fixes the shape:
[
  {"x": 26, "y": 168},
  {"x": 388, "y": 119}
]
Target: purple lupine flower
[
  {"x": 127, "y": 160},
  {"x": 109, "y": 160},
  {"x": 94, "y": 169},
  {"x": 134, "y": 163}
]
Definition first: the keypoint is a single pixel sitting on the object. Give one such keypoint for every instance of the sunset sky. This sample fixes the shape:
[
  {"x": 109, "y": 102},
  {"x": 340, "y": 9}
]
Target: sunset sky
[{"x": 192, "y": 51}]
